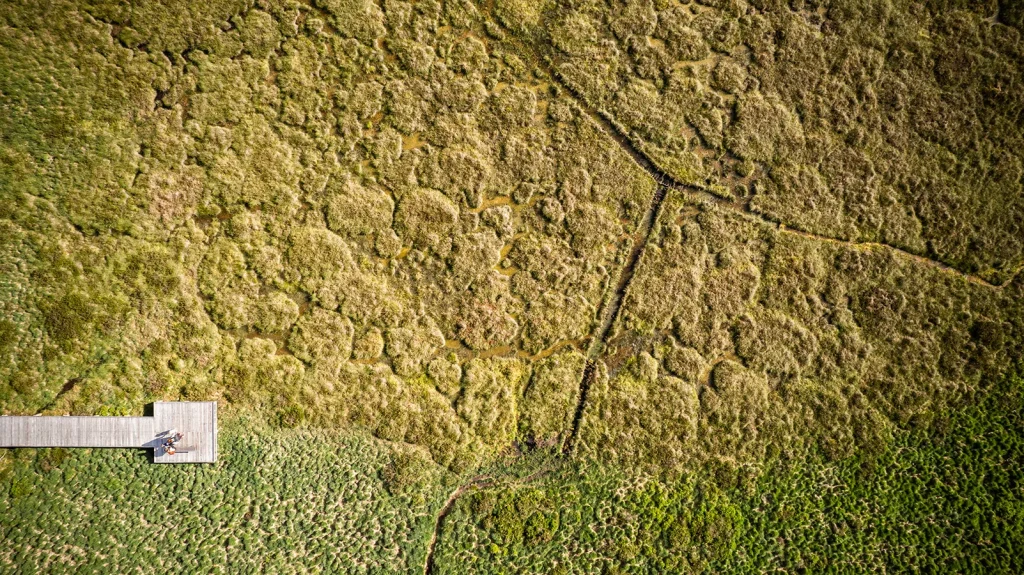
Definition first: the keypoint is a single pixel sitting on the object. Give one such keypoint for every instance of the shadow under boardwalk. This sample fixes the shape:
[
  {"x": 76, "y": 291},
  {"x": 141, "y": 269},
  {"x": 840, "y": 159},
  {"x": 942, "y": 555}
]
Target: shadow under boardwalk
[{"x": 196, "y": 421}]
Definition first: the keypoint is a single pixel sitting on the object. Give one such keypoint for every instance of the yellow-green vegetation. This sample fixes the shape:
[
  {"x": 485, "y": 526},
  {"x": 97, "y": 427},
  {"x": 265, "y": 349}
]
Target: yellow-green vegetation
[
  {"x": 301, "y": 208},
  {"x": 547, "y": 267},
  {"x": 751, "y": 340},
  {"x": 891, "y": 121}
]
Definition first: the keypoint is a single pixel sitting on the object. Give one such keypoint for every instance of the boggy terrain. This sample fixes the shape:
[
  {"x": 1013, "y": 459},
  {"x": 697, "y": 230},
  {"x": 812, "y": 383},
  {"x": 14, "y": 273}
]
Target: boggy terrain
[{"x": 665, "y": 243}]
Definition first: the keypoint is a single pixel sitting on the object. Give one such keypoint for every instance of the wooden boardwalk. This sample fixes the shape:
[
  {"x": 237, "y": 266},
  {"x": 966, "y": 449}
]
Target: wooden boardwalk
[{"x": 197, "y": 421}]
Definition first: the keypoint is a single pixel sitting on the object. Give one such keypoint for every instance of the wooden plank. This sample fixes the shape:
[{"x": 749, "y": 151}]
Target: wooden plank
[
  {"x": 196, "y": 420},
  {"x": 75, "y": 431}
]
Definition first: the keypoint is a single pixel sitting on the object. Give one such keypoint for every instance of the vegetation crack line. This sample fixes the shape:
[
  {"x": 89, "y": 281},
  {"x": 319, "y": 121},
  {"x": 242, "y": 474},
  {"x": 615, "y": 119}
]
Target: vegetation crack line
[
  {"x": 474, "y": 483},
  {"x": 585, "y": 382},
  {"x": 614, "y": 305},
  {"x": 783, "y": 228},
  {"x": 618, "y": 134},
  {"x": 478, "y": 482},
  {"x": 612, "y": 309}
]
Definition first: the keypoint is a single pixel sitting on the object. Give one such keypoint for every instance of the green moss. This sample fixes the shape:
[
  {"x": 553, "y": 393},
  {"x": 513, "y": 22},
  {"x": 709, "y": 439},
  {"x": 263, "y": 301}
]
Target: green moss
[
  {"x": 685, "y": 363},
  {"x": 797, "y": 98},
  {"x": 554, "y": 318},
  {"x": 360, "y": 19},
  {"x": 489, "y": 398},
  {"x": 8, "y": 335},
  {"x": 473, "y": 256},
  {"x": 408, "y": 472},
  {"x": 355, "y": 210},
  {"x": 425, "y": 217},
  {"x": 369, "y": 345},
  {"x": 275, "y": 312},
  {"x": 323, "y": 262},
  {"x": 68, "y": 318},
  {"x": 518, "y": 15},
  {"x": 410, "y": 348},
  {"x": 833, "y": 515},
  {"x": 447, "y": 375},
  {"x": 550, "y": 396},
  {"x": 291, "y": 416},
  {"x": 764, "y": 130},
  {"x": 321, "y": 335}
]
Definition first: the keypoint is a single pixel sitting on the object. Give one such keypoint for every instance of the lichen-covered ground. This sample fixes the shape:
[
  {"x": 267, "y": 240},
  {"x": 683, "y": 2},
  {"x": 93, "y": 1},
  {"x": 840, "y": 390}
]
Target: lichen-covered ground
[{"x": 568, "y": 286}]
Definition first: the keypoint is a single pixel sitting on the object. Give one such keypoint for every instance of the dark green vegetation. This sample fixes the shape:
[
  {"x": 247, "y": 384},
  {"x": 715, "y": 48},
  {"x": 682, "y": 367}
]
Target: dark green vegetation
[
  {"x": 285, "y": 502},
  {"x": 946, "y": 501},
  {"x": 769, "y": 232}
]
